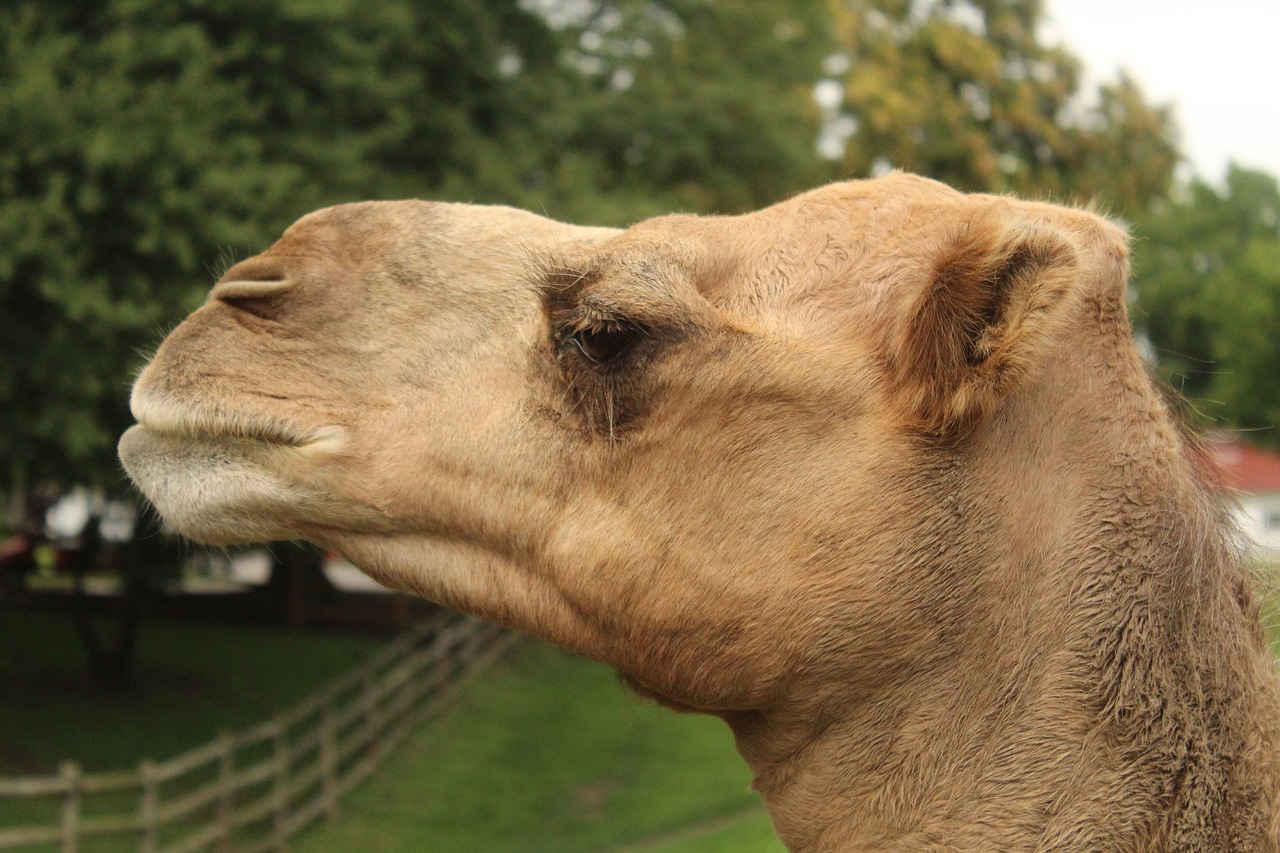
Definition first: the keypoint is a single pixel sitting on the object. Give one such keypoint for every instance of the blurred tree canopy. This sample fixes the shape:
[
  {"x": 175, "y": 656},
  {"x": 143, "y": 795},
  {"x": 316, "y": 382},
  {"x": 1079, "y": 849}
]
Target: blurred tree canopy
[
  {"x": 1207, "y": 287},
  {"x": 682, "y": 105},
  {"x": 964, "y": 91}
]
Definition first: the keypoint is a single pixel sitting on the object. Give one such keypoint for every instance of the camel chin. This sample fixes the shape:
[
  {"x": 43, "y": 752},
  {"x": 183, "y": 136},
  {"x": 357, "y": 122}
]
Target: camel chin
[
  {"x": 220, "y": 477},
  {"x": 213, "y": 490}
]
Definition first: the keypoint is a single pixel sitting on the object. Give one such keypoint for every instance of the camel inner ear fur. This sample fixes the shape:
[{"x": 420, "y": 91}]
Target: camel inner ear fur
[{"x": 999, "y": 290}]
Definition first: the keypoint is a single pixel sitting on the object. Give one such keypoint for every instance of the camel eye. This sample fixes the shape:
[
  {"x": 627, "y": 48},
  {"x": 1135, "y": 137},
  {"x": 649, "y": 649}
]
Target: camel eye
[{"x": 605, "y": 344}]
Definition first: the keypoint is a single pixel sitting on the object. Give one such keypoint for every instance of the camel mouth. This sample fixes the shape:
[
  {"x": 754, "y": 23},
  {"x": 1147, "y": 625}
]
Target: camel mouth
[{"x": 215, "y": 425}]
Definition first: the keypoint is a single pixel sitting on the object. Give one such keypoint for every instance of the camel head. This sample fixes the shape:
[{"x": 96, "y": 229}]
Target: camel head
[{"x": 787, "y": 467}]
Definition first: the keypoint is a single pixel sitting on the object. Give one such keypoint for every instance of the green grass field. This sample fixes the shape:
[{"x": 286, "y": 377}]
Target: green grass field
[
  {"x": 194, "y": 680},
  {"x": 545, "y": 752},
  {"x": 548, "y": 752}
]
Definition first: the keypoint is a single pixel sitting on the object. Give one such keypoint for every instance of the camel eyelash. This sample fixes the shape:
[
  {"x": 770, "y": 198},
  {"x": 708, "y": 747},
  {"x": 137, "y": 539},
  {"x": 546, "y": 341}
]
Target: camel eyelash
[{"x": 603, "y": 343}]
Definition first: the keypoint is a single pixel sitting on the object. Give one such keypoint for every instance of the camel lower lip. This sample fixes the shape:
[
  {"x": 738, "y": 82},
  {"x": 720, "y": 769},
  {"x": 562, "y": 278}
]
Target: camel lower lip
[
  {"x": 222, "y": 490},
  {"x": 323, "y": 441},
  {"x": 212, "y": 489}
]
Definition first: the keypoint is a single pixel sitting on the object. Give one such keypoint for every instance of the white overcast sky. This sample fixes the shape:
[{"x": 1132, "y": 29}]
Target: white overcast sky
[{"x": 1217, "y": 63}]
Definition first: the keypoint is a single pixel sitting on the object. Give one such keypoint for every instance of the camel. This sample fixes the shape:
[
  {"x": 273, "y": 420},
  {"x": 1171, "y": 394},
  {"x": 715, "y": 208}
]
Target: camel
[{"x": 875, "y": 475}]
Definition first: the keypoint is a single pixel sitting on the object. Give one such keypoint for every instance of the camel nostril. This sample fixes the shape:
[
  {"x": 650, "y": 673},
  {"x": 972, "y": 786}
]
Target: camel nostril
[
  {"x": 248, "y": 291},
  {"x": 260, "y": 298}
]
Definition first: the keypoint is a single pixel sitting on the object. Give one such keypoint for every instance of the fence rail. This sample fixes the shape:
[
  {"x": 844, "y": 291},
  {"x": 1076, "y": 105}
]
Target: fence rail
[{"x": 252, "y": 790}]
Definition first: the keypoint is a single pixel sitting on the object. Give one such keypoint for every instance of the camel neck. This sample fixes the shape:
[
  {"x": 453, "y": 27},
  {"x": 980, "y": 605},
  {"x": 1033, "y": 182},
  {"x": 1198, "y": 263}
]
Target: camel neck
[
  {"x": 941, "y": 759},
  {"x": 1055, "y": 728}
]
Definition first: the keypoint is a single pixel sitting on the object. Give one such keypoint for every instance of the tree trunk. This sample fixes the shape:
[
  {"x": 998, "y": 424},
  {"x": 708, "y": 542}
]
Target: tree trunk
[
  {"x": 112, "y": 663},
  {"x": 297, "y": 579}
]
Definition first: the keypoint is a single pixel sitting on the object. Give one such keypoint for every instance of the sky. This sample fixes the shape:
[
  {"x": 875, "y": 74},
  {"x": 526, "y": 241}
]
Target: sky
[{"x": 1217, "y": 63}]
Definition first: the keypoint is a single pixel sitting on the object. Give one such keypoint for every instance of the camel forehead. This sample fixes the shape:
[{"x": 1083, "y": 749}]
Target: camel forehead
[
  {"x": 896, "y": 187},
  {"x": 386, "y": 229},
  {"x": 896, "y": 208},
  {"x": 411, "y": 215},
  {"x": 860, "y": 222},
  {"x": 909, "y": 206},
  {"x": 349, "y": 229},
  {"x": 818, "y": 239}
]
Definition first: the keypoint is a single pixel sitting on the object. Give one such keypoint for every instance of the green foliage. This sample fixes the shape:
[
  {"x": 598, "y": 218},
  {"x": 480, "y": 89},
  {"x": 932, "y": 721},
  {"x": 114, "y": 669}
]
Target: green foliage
[
  {"x": 139, "y": 142},
  {"x": 1207, "y": 284},
  {"x": 123, "y": 158},
  {"x": 687, "y": 105},
  {"x": 964, "y": 91}
]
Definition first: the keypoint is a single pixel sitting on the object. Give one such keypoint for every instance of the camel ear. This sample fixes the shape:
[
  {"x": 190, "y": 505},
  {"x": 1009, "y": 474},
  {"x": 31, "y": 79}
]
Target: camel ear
[{"x": 999, "y": 290}]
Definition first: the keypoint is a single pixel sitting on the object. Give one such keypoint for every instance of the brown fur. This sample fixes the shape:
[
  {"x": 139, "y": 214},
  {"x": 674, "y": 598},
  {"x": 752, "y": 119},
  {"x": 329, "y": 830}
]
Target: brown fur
[{"x": 875, "y": 475}]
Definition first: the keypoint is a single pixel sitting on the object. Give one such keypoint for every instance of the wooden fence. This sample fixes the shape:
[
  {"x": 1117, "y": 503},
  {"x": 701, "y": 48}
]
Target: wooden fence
[{"x": 253, "y": 790}]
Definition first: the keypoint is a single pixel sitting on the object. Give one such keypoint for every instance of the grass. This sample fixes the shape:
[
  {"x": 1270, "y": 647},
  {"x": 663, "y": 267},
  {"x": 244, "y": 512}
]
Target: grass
[
  {"x": 194, "y": 680},
  {"x": 750, "y": 834},
  {"x": 548, "y": 752}
]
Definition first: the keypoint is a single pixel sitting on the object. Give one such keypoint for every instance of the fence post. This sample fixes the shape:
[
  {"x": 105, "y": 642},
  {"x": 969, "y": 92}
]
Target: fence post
[
  {"x": 281, "y": 829},
  {"x": 70, "y": 772},
  {"x": 373, "y": 718},
  {"x": 148, "y": 806},
  {"x": 226, "y": 789},
  {"x": 328, "y": 759},
  {"x": 410, "y": 694}
]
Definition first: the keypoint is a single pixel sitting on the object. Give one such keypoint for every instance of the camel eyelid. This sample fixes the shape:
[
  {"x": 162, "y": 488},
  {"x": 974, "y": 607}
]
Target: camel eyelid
[{"x": 605, "y": 343}]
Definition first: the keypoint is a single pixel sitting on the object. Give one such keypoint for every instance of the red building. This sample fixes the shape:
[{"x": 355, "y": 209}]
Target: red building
[{"x": 1254, "y": 474}]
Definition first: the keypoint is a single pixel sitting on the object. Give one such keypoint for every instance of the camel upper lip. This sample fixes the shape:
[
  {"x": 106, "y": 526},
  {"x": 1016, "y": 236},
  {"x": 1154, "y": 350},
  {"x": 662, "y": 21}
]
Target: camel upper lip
[{"x": 167, "y": 418}]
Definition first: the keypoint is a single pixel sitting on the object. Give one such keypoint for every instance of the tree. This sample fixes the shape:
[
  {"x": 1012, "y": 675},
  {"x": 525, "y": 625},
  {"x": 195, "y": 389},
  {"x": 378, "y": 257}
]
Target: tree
[
  {"x": 660, "y": 105},
  {"x": 964, "y": 91},
  {"x": 1207, "y": 287}
]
